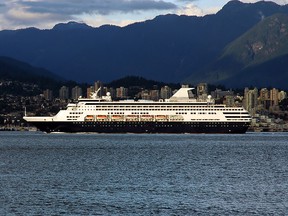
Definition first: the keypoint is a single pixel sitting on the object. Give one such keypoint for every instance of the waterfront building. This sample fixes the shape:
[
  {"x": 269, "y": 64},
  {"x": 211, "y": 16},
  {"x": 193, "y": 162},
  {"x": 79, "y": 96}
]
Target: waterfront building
[
  {"x": 219, "y": 93},
  {"x": 274, "y": 97},
  {"x": 264, "y": 94},
  {"x": 165, "y": 92},
  {"x": 229, "y": 101},
  {"x": 250, "y": 100},
  {"x": 90, "y": 91},
  {"x": 264, "y": 98},
  {"x": 202, "y": 89},
  {"x": 154, "y": 95},
  {"x": 121, "y": 92},
  {"x": 64, "y": 93},
  {"x": 150, "y": 95},
  {"x": 76, "y": 92},
  {"x": 48, "y": 94},
  {"x": 145, "y": 95}
]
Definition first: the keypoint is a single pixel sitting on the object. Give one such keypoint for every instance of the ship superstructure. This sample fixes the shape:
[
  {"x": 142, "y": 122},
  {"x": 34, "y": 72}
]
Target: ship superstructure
[{"x": 179, "y": 114}]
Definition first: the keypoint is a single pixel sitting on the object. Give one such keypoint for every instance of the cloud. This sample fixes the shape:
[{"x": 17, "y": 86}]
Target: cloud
[
  {"x": 15, "y": 15},
  {"x": 103, "y": 7},
  {"x": 191, "y": 10},
  {"x": 46, "y": 13},
  {"x": 187, "y": 1},
  {"x": 98, "y": 20}
]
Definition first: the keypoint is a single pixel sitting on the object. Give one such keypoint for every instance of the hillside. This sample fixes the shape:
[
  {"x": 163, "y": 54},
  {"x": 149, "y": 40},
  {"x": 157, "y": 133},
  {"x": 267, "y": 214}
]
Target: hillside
[
  {"x": 168, "y": 48},
  {"x": 13, "y": 69},
  {"x": 26, "y": 79},
  {"x": 21, "y": 79},
  {"x": 258, "y": 57},
  {"x": 140, "y": 82}
]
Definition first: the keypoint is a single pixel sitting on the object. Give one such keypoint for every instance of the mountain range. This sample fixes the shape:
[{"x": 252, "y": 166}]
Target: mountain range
[
  {"x": 258, "y": 58},
  {"x": 243, "y": 44}
]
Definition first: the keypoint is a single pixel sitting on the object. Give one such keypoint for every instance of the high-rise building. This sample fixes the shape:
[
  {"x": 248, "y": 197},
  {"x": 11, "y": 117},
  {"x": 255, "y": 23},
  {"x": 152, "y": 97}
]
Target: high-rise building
[
  {"x": 150, "y": 94},
  {"x": 121, "y": 92},
  {"x": 229, "y": 100},
  {"x": 90, "y": 91},
  {"x": 264, "y": 94},
  {"x": 219, "y": 93},
  {"x": 76, "y": 92},
  {"x": 154, "y": 94},
  {"x": 202, "y": 89},
  {"x": 250, "y": 100},
  {"x": 274, "y": 97},
  {"x": 48, "y": 94},
  {"x": 165, "y": 92},
  {"x": 145, "y": 94},
  {"x": 64, "y": 93},
  {"x": 264, "y": 98}
]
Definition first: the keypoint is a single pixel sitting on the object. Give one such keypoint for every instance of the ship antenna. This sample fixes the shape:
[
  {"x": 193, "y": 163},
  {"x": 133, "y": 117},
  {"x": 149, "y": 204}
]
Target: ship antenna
[{"x": 25, "y": 113}]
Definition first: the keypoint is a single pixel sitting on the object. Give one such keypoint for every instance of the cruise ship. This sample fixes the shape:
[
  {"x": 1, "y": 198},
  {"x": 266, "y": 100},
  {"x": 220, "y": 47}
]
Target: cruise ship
[{"x": 179, "y": 114}]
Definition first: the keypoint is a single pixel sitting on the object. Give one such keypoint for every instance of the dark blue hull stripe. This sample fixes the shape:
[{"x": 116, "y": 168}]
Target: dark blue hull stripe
[{"x": 143, "y": 127}]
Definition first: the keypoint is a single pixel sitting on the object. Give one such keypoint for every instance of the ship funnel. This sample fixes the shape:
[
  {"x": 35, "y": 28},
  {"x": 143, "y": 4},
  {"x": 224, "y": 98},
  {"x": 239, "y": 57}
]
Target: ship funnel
[{"x": 183, "y": 94}]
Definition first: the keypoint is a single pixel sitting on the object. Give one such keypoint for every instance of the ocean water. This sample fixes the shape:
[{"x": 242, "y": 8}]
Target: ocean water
[{"x": 130, "y": 174}]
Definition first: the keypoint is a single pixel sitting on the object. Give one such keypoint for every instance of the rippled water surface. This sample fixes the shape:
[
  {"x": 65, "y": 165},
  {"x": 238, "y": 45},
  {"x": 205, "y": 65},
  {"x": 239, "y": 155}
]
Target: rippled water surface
[{"x": 129, "y": 174}]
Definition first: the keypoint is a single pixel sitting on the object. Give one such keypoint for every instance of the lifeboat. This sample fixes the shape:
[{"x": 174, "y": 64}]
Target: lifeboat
[
  {"x": 147, "y": 117},
  {"x": 102, "y": 116},
  {"x": 176, "y": 118},
  {"x": 89, "y": 118},
  {"x": 117, "y": 117},
  {"x": 132, "y": 118},
  {"x": 161, "y": 117}
]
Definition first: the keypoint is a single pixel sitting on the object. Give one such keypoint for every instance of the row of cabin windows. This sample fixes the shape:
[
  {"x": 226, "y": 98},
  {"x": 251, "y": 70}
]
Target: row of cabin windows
[
  {"x": 141, "y": 109},
  {"x": 146, "y": 113},
  {"x": 117, "y": 113},
  {"x": 238, "y": 119},
  {"x": 141, "y": 113},
  {"x": 175, "y": 107},
  {"x": 204, "y": 113},
  {"x": 69, "y": 117},
  {"x": 198, "y": 108},
  {"x": 145, "y": 106}
]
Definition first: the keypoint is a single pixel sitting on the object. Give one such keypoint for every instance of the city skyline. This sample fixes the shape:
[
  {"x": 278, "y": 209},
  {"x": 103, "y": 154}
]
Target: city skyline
[
  {"x": 200, "y": 91},
  {"x": 44, "y": 14}
]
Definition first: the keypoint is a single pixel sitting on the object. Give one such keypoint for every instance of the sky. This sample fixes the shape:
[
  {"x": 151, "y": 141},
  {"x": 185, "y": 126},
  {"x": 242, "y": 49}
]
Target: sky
[{"x": 44, "y": 14}]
